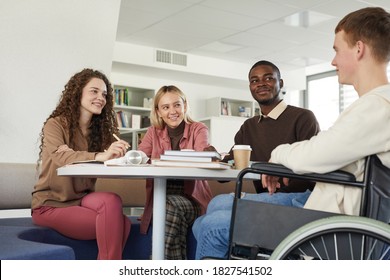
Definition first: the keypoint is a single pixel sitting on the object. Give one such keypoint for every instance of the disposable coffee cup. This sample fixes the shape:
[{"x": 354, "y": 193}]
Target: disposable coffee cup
[
  {"x": 242, "y": 155},
  {"x": 133, "y": 157}
]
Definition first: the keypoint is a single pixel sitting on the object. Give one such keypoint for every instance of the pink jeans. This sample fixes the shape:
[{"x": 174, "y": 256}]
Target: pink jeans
[{"x": 99, "y": 217}]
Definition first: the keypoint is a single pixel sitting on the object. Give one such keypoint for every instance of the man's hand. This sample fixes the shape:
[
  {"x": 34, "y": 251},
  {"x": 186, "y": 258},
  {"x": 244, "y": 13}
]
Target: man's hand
[
  {"x": 272, "y": 183},
  {"x": 210, "y": 148}
]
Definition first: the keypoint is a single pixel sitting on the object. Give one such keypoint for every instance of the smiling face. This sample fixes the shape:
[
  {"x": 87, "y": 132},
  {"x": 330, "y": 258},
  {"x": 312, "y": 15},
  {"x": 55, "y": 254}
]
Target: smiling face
[
  {"x": 264, "y": 84},
  {"x": 171, "y": 109},
  {"x": 93, "y": 97}
]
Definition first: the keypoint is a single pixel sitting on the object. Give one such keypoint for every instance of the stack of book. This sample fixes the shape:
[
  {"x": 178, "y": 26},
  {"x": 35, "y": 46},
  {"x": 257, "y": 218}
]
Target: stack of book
[{"x": 189, "y": 158}]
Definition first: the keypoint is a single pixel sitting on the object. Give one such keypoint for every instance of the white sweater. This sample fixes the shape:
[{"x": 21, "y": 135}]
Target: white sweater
[{"x": 362, "y": 129}]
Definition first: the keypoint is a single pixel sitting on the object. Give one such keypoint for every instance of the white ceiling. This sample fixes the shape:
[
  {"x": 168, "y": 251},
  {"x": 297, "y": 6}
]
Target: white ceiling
[{"x": 239, "y": 30}]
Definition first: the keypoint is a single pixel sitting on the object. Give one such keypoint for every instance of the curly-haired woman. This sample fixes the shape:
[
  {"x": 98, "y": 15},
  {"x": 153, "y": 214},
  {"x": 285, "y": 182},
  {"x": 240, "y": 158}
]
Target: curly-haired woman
[{"x": 81, "y": 128}]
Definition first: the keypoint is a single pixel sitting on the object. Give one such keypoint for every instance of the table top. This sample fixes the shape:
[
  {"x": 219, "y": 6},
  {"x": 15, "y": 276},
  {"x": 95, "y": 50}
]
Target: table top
[{"x": 145, "y": 171}]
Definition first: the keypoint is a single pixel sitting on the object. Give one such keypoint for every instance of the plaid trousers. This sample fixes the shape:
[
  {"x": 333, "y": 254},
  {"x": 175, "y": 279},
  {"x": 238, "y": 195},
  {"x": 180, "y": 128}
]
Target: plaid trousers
[{"x": 181, "y": 212}]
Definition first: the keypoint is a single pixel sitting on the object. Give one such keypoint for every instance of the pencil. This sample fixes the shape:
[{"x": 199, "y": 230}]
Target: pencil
[{"x": 116, "y": 137}]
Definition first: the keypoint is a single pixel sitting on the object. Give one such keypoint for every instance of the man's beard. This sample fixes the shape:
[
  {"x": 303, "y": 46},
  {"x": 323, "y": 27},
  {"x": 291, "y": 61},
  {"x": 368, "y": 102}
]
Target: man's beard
[{"x": 269, "y": 101}]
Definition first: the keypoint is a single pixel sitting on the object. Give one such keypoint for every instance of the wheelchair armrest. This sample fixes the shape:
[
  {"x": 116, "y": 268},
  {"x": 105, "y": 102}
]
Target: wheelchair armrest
[{"x": 336, "y": 177}]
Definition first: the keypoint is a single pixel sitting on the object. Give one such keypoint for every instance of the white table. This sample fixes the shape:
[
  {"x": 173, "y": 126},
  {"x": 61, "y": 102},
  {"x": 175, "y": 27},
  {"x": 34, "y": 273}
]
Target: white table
[{"x": 160, "y": 176}]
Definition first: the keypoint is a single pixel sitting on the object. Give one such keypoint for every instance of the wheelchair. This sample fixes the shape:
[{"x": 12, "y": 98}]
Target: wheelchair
[{"x": 283, "y": 232}]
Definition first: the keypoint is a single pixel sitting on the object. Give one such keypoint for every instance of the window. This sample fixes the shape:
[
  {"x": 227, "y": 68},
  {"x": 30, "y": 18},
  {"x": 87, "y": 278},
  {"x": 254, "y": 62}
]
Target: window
[{"x": 326, "y": 98}]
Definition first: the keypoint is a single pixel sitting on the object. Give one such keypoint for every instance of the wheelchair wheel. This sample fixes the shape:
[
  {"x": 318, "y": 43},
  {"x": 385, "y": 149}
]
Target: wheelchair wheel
[{"x": 337, "y": 237}]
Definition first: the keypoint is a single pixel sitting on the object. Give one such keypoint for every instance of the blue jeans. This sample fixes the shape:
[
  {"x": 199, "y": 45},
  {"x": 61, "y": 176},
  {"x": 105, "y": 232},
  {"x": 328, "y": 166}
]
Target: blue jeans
[{"x": 212, "y": 229}]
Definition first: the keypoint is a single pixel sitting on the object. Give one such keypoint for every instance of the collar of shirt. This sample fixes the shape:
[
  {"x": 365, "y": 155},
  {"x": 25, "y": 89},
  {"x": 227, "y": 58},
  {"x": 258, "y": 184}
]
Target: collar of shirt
[{"x": 276, "y": 112}]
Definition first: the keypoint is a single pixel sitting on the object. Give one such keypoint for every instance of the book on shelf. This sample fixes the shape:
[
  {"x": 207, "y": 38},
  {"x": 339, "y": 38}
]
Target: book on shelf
[
  {"x": 136, "y": 121},
  {"x": 210, "y": 165},
  {"x": 119, "y": 119},
  {"x": 125, "y": 119},
  {"x": 191, "y": 153},
  {"x": 229, "y": 109},
  {"x": 122, "y": 96},
  {"x": 224, "y": 108},
  {"x": 122, "y": 119},
  {"x": 145, "y": 121}
]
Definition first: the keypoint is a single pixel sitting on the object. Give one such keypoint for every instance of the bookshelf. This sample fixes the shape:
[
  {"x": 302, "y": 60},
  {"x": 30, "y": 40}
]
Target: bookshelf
[
  {"x": 225, "y": 117},
  {"x": 132, "y": 106},
  {"x": 219, "y": 106}
]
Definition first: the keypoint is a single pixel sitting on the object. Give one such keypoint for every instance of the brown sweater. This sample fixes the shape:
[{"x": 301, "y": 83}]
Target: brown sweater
[
  {"x": 53, "y": 190},
  {"x": 265, "y": 134}
]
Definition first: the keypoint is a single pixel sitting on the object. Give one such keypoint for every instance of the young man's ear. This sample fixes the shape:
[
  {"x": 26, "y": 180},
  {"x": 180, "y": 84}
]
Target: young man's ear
[
  {"x": 281, "y": 83},
  {"x": 360, "y": 47}
]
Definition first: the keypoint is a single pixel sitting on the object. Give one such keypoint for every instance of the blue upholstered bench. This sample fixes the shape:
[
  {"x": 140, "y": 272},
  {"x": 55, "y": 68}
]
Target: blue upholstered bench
[
  {"x": 21, "y": 239},
  {"x": 13, "y": 246}
]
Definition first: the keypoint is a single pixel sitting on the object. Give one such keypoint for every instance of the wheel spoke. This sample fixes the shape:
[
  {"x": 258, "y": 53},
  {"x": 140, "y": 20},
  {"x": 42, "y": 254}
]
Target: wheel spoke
[
  {"x": 387, "y": 251},
  {"x": 362, "y": 247},
  {"x": 350, "y": 246},
  {"x": 339, "y": 237},
  {"x": 372, "y": 249},
  {"x": 315, "y": 250},
  {"x": 325, "y": 248}
]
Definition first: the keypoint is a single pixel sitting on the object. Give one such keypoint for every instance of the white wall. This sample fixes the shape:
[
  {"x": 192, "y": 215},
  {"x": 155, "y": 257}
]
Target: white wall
[
  {"x": 145, "y": 56},
  {"x": 197, "y": 93},
  {"x": 201, "y": 79},
  {"x": 43, "y": 43}
]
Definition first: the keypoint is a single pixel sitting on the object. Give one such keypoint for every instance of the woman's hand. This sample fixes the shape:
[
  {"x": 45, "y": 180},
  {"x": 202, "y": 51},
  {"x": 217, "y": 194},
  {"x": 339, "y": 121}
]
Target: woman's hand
[{"x": 117, "y": 149}]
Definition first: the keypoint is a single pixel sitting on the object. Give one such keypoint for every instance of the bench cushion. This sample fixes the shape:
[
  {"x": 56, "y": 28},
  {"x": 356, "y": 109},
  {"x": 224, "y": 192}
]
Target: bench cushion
[{"x": 14, "y": 247}]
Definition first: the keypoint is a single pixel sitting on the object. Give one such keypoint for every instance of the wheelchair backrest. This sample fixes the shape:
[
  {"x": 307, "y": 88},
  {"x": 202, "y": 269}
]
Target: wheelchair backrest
[{"x": 376, "y": 204}]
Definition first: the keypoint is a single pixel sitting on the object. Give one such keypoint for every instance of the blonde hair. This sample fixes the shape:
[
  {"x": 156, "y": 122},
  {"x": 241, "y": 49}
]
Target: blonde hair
[{"x": 155, "y": 120}]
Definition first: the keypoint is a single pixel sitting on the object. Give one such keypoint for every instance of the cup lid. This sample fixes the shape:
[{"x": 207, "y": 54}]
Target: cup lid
[{"x": 242, "y": 147}]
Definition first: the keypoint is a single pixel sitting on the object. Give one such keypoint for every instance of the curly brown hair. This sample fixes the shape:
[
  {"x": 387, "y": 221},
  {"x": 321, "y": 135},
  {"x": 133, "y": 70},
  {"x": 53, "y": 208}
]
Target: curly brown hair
[{"x": 68, "y": 109}]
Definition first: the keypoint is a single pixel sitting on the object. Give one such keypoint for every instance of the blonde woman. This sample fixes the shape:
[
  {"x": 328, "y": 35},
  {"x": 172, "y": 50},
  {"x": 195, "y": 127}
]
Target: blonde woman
[{"x": 173, "y": 129}]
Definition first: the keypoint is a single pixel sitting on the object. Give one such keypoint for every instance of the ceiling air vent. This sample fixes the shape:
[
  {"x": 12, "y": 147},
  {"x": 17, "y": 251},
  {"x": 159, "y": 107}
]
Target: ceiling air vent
[{"x": 171, "y": 58}]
